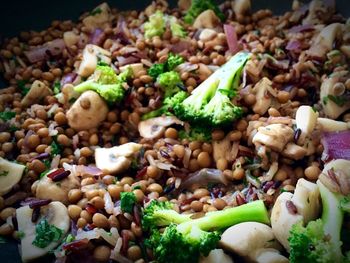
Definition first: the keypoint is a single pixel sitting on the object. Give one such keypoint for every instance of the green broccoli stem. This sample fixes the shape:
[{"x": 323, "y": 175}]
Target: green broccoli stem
[
  {"x": 332, "y": 216},
  {"x": 87, "y": 85},
  {"x": 254, "y": 211},
  {"x": 171, "y": 216}
]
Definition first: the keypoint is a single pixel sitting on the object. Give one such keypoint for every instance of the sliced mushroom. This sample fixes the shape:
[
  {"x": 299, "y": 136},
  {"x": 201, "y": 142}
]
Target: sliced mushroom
[
  {"x": 137, "y": 69},
  {"x": 329, "y": 125},
  {"x": 263, "y": 99},
  {"x": 269, "y": 255},
  {"x": 37, "y": 92},
  {"x": 116, "y": 159},
  {"x": 99, "y": 17},
  {"x": 91, "y": 55},
  {"x": 306, "y": 119},
  {"x": 55, "y": 213},
  {"x": 274, "y": 136},
  {"x": 207, "y": 34},
  {"x": 346, "y": 50},
  {"x": 46, "y": 188},
  {"x": 11, "y": 174},
  {"x": 317, "y": 9},
  {"x": 155, "y": 127},
  {"x": 246, "y": 238},
  {"x": 206, "y": 19},
  {"x": 222, "y": 149},
  {"x": 323, "y": 43},
  {"x": 331, "y": 109},
  {"x": 294, "y": 151},
  {"x": 70, "y": 38},
  {"x": 87, "y": 112},
  {"x": 283, "y": 216},
  {"x": 306, "y": 198},
  {"x": 216, "y": 255}
]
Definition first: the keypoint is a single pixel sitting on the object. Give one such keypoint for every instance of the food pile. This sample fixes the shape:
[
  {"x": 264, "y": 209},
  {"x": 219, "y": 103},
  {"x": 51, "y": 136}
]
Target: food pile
[{"x": 200, "y": 133}]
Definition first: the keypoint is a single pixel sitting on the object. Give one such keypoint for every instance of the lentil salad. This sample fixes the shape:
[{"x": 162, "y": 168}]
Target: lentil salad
[{"x": 79, "y": 168}]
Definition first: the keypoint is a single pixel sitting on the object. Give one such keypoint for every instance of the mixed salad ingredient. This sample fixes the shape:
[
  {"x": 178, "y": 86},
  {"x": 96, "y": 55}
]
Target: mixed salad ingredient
[{"x": 202, "y": 133}]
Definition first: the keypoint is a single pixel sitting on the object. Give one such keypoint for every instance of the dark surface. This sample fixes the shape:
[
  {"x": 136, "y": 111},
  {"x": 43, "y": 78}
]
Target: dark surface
[{"x": 17, "y": 16}]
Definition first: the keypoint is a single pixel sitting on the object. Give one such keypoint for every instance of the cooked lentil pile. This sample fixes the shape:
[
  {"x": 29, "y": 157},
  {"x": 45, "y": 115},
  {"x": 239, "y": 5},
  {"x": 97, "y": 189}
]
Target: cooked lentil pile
[{"x": 202, "y": 133}]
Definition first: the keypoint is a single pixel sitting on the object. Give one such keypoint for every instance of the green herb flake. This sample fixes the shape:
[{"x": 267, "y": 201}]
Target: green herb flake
[
  {"x": 21, "y": 84},
  {"x": 4, "y": 173},
  {"x": 56, "y": 87},
  {"x": 96, "y": 11},
  {"x": 339, "y": 100},
  {"x": 127, "y": 201},
  {"x": 56, "y": 149},
  {"x": 136, "y": 187},
  {"x": 46, "y": 234},
  {"x": 7, "y": 115}
]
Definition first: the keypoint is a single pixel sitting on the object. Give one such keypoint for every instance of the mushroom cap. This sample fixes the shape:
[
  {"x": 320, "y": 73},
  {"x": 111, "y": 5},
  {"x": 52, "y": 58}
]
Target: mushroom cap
[
  {"x": 216, "y": 255},
  {"x": 80, "y": 118},
  {"x": 155, "y": 127},
  {"x": 246, "y": 237}
]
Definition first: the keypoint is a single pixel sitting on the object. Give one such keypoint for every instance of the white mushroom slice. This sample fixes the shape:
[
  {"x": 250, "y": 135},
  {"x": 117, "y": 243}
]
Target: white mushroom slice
[
  {"x": 216, "y": 255},
  {"x": 99, "y": 17},
  {"x": 331, "y": 109},
  {"x": 55, "y": 213},
  {"x": 70, "y": 38},
  {"x": 245, "y": 238},
  {"x": 222, "y": 149},
  {"x": 87, "y": 112},
  {"x": 241, "y": 7},
  {"x": 283, "y": 217},
  {"x": 137, "y": 69},
  {"x": 10, "y": 175},
  {"x": 37, "y": 92},
  {"x": 346, "y": 50},
  {"x": 45, "y": 188},
  {"x": 91, "y": 55},
  {"x": 294, "y": 151},
  {"x": 306, "y": 119},
  {"x": 263, "y": 99},
  {"x": 207, "y": 34},
  {"x": 329, "y": 125},
  {"x": 116, "y": 159},
  {"x": 325, "y": 39},
  {"x": 269, "y": 255},
  {"x": 155, "y": 127},
  {"x": 306, "y": 198},
  {"x": 274, "y": 136},
  {"x": 206, "y": 19}
]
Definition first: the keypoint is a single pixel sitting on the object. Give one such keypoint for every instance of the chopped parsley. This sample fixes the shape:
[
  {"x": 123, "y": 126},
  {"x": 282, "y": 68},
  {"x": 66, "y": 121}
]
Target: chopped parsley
[
  {"x": 56, "y": 149},
  {"x": 127, "y": 201},
  {"x": 4, "y": 173},
  {"x": 7, "y": 115},
  {"x": 96, "y": 11},
  {"x": 46, "y": 234},
  {"x": 21, "y": 84},
  {"x": 339, "y": 100},
  {"x": 56, "y": 87}
]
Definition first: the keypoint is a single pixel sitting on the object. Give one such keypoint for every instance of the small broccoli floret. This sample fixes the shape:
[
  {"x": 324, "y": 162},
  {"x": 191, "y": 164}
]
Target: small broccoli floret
[
  {"x": 156, "y": 69},
  {"x": 173, "y": 61},
  {"x": 167, "y": 107},
  {"x": 175, "y": 28},
  {"x": 209, "y": 103},
  {"x": 161, "y": 214},
  {"x": 196, "y": 133},
  {"x": 320, "y": 240},
  {"x": 198, "y": 6},
  {"x": 169, "y": 81},
  {"x": 183, "y": 242},
  {"x": 127, "y": 201},
  {"x": 155, "y": 26},
  {"x": 106, "y": 83}
]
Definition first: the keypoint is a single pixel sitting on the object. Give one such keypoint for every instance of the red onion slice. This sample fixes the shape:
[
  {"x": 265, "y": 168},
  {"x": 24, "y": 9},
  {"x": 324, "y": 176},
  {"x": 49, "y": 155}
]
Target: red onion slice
[
  {"x": 97, "y": 37},
  {"x": 231, "y": 37},
  {"x": 293, "y": 45},
  {"x": 52, "y": 48},
  {"x": 68, "y": 78},
  {"x": 301, "y": 28},
  {"x": 336, "y": 145}
]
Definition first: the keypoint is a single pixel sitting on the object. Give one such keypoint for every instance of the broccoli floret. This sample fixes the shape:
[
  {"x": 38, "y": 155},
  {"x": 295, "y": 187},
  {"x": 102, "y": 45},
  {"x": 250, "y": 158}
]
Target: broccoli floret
[
  {"x": 106, "y": 83},
  {"x": 127, "y": 201},
  {"x": 183, "y": 242},
  {"x": 210, "y": 104},
  {"x": 155, "y": 26},
  {"x": 156, "y": 69},
  {"x": 198, "y": 6},
  {"x": 168, "y": 105},
  {"x": 196, "y": 133},
  {"x": 320, "y": 241},
  {"x": 173, "y": 61},
  {"x": 175, "y": 28},
  {"x": 169, "y": 82}
]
